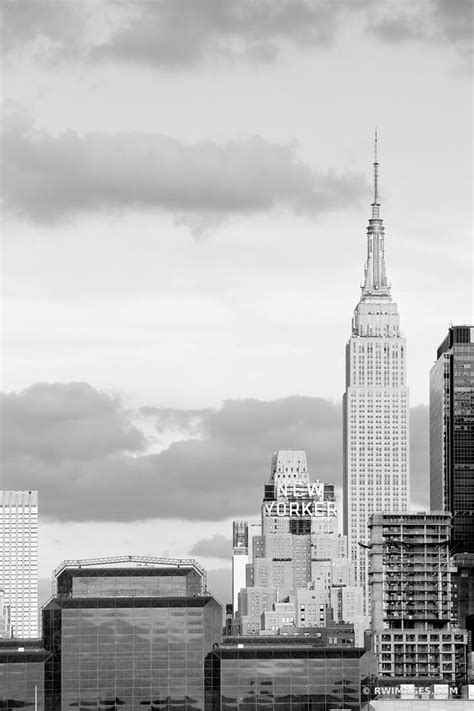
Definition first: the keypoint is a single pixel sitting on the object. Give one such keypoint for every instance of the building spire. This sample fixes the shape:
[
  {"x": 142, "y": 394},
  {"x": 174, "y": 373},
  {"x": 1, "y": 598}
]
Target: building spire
[
  {"x": 375, "y": 281},
  {"x": 376, "y": 203}
]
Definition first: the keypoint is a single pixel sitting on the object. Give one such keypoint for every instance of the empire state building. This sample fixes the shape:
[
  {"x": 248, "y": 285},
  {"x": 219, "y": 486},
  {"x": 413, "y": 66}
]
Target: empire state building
[{"x": 375, "y": 403}]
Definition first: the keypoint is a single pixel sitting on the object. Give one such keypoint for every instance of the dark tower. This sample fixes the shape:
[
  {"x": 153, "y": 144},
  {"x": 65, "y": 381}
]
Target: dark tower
[{"x": 452, "y": 434}]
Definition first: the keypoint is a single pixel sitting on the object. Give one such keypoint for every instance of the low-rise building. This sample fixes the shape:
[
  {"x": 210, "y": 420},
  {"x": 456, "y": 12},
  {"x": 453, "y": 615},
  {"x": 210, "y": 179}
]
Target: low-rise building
[
  {"x": 282, "y": 673},
  {"x": 129, "y": 632},
  {"x": 22, "y": 663}
]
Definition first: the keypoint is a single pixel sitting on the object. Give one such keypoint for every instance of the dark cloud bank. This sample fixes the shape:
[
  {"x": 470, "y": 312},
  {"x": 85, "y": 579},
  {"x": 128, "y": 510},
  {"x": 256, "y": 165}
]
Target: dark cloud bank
[
  {"x": 176, "y": 34},
  {"x": 49, "y": 178},
  {"x": 79, "y": 448}
]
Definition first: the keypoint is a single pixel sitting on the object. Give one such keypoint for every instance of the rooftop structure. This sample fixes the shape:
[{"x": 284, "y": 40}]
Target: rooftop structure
[{"x": 131, "y": 561}]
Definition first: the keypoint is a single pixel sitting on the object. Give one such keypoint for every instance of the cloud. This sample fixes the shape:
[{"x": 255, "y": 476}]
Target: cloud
[
  {"x": 217, "y": 546},
  {"x": 219, "y": 582},
  {"x": 55, "y": 27},
  {"x": 48, "y": 178},
  {"x": 169, "y": 33},
  {"x": 79, "y": 448},
  {"x": 177, "y": 33},
  {"x": 54, "y": 423},
  {"x": 180, "y": 34},
  {"x": 90, "y": 467},
  {"x": 187, "y": 422},
  {"x": 440, "y": 22}
]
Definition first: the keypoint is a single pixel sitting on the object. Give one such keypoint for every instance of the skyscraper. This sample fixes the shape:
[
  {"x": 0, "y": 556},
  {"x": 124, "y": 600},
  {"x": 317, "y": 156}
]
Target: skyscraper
[
  {"x": 452, "y": 434},
  {"x": 19, "y": 559},
  {"x": 375, "y": 403},
  {"x": 298, "y": 567}
]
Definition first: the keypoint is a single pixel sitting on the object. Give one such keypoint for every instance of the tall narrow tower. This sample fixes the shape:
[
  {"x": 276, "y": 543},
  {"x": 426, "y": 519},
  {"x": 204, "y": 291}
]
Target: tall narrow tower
[
  {"x": 452, "y": 434},
  {"x": 375, "y": 403},
  {"x": 19, "y": 559}
]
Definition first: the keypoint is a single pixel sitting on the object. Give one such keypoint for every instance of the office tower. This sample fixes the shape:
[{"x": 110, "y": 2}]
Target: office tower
[
  {"x": 19, "y": 559},
  {"x": 283, "y": 673},
  {"x": 452, "y": 434},
  {"x": 412, "y": 598},
  {"x": 243, "y": 533},
  {"x": 22, "y": 674},
  {"x": 133, "y": 636},
  {"x": 299, "y": 558},
  {"x": 375, "y": 403}
]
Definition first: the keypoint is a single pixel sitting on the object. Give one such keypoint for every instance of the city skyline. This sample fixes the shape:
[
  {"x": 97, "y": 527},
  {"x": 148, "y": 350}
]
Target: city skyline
[{"x": 167, "y": 304}]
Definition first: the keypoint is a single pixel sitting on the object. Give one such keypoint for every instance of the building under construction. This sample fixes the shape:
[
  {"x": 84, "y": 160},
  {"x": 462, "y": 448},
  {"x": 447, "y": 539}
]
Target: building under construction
[{"x": 415, "y": 632}]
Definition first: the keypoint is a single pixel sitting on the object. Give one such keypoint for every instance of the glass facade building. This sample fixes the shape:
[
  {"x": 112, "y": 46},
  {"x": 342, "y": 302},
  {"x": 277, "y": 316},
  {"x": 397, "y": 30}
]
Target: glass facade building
[
  {"x": 21, "y": 674},
  {"x": 129, "y": 639},
  {"x": 452, "y": 434},
  {"x": 121, "y": 582},
  {"x": 284, "y": 674}
]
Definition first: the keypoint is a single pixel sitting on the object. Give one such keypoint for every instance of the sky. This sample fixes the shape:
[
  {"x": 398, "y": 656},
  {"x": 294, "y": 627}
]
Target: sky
[{"x": 186, "y": 186}]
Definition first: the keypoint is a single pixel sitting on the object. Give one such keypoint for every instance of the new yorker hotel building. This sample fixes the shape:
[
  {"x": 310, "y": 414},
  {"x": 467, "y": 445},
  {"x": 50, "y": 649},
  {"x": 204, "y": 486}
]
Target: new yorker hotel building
[{"x": 375, "y": 403}]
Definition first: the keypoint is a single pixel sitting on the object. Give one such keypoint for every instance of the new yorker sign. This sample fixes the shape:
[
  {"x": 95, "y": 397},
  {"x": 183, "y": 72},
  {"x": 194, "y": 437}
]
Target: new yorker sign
[
  {"x": 292, "y": 508},
  {"x": 304, "y": 506},
  {"x": 298, "y": 491}
]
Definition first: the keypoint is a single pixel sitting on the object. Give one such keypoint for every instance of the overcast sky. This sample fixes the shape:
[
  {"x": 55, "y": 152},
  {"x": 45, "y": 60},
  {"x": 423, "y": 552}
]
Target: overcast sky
[{"x": 186, "y": 188}]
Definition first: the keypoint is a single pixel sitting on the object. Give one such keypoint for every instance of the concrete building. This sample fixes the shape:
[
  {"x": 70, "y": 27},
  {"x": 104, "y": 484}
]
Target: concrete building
[
  {"x": 129, "y": 632},
  {"x": 252, "y": 602},
  {"x": 413, "y": 626},
  {"x": 243, "y": 533},
  {"x": 19, "y": 560},
  {"x": 375, "y": 403},
  {"x": 298, "y": 558},
  {"x": 281, "y": 614},
  {"x": 452, "y": 434}
]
